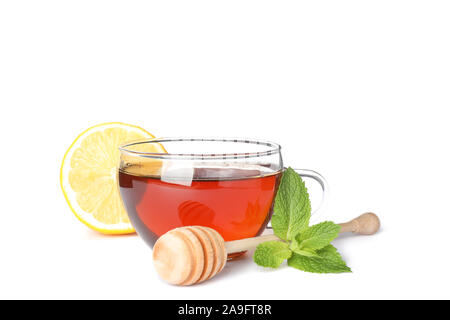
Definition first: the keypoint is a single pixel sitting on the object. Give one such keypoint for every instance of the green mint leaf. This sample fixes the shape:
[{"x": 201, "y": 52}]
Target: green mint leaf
[
  {"x": 329, "y": 261},
  {"x": 271, "y": 254},
  {"x": 295, "y": 247},
  {"x": 330, "y": 252},
  {"x": 306, "y": 253},
  {"x": 317, "y": 236},
  {"x": 292, "y": 208}
]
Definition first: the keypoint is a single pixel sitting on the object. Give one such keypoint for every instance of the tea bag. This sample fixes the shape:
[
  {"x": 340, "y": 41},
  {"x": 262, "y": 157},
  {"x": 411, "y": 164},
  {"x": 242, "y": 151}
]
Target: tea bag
[{"x": 178, "y": 172}]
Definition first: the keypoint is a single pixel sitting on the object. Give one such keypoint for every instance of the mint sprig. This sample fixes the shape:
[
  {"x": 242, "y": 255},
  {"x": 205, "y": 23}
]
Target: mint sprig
[{"x": 305, "y": 247}]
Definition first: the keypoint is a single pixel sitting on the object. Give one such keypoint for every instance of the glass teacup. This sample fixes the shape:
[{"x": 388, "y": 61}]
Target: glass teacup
[{"x": 226, "y": 184}]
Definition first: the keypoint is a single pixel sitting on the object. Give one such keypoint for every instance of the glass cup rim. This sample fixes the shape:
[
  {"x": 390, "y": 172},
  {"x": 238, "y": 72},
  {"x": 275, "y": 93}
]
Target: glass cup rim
[{"x": 272, "y": 148}]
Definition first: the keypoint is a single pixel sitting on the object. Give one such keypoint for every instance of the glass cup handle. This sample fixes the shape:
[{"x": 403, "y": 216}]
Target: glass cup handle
[{"x": 305, "y": 173}]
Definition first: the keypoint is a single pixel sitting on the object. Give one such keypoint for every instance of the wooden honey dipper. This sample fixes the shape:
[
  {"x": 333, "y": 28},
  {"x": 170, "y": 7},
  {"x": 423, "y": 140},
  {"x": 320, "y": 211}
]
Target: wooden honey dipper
[{"x": 192, "y": 254}]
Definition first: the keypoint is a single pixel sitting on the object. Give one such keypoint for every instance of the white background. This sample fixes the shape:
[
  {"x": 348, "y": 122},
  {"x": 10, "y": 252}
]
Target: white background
[{"x": 358, "y": 90}]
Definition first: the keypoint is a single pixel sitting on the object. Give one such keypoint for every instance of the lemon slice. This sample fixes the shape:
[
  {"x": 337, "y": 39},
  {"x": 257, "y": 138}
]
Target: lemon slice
[{"x": 89, "y": 176}]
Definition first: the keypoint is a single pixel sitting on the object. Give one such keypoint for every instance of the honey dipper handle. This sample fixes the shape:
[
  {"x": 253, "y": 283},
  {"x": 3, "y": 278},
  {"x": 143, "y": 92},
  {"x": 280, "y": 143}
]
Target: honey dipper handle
[
  {"x": 367, "y": 223},
  {"x": 249, "y": 243}
]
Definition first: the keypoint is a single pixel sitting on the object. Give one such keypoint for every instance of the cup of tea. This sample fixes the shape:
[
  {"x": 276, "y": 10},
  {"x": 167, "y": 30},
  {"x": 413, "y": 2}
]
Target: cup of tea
[{"x": 226, "y": 184}]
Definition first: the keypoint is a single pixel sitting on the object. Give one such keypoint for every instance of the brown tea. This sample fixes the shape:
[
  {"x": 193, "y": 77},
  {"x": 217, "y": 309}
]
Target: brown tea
[{"x": 237, "y": 203}]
